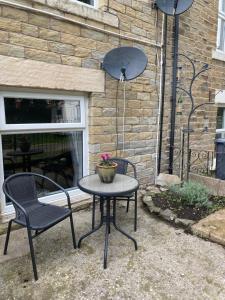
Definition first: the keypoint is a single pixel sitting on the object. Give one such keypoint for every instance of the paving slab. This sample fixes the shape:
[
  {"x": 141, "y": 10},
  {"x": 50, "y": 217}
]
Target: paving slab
[
  {"x": 212, "y": 227},
  {"x": 168, "y": 265}
]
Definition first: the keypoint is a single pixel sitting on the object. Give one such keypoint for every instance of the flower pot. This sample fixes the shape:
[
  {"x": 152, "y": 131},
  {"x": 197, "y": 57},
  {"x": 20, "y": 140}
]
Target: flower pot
[{"x": 106, "y": 173}]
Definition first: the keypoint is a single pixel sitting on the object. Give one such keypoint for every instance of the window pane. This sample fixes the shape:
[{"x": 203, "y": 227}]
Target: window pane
[
  {"x": 223, "y": 6},
  {"x": 56, "y": 155},
  {"x": 91, "y": 2},
  {"x": 221, "y": 36},
  {"x": 219, "y": 119},
  {"x": 29, "y": 111}
]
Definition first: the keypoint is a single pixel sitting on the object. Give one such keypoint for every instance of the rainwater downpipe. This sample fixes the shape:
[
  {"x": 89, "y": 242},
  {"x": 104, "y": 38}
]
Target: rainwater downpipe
[
  {"x": 174, "y": 92},
  {"x": 162, "y": 96}
]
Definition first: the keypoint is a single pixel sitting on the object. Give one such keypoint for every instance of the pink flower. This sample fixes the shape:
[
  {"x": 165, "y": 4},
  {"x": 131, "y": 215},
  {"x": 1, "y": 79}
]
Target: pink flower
[
  {"x": 105, "y": 156},
  {"x": 105, "y": 159}
]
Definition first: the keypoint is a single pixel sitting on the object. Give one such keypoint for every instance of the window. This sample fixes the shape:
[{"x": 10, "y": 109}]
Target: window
[
  {"x": 221, "y": 27},
  {"x": 45, "y": 134},
  {"x": 88, "y": 2},
  {"x": 220, "y": 126}
]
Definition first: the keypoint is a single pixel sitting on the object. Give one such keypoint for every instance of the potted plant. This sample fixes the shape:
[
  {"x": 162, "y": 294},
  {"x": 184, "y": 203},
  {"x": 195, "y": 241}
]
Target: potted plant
[{"x": 106, "y": 169}]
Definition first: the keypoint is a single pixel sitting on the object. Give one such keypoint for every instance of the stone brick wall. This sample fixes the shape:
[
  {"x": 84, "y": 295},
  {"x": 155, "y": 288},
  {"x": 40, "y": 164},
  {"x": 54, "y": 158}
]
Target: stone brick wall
[
  {"x": 198, "y": 31},
  {"x": 41, "y": 37}
]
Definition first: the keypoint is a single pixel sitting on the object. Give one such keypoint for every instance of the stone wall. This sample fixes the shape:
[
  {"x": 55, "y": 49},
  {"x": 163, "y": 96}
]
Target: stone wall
[
  {"x": 67, "y": 33},
  {"x": 81, "y": 38},
  {"x": 198, "y": 31}
]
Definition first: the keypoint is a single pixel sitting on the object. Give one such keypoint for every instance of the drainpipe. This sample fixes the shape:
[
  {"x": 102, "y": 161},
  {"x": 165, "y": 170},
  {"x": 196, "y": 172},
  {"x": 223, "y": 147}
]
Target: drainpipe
[
  {"x": 174, "y": 91},
  {"x": 162, "y": 93}
]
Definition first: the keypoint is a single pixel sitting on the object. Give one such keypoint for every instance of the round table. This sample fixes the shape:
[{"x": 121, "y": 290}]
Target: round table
[
  {"x": 121, "y": 185},
  {"x": 26, "y": 157}
]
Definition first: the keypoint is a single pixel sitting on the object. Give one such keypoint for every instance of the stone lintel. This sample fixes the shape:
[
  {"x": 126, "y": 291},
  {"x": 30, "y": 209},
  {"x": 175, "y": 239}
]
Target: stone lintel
[{"x": 24, "y": 73}]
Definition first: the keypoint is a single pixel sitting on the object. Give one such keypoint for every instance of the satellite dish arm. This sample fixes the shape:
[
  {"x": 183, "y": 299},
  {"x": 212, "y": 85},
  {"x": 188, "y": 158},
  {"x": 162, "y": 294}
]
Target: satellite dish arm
[
  {"x": 175, "y": 6},
  {"x": 123, "y": 73}
]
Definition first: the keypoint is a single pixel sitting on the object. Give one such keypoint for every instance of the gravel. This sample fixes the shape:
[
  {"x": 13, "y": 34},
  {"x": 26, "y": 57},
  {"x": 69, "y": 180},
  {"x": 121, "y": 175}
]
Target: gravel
[{"x": 169, "y": 264}]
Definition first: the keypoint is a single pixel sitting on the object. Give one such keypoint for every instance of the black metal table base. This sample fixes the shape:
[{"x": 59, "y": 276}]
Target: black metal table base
[{"x": 107, "y": 220}]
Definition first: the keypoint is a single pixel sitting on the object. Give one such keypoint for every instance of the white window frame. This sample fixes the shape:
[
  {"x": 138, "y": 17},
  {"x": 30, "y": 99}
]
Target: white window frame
[
  {"x": 221, "y": 16},
  {"x": 39, "y": 128},
  {"x": 95, "y": 5}
]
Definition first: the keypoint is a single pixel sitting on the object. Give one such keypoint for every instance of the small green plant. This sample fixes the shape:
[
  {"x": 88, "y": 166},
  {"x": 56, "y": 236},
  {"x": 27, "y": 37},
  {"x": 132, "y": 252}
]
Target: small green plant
[{"x": 193, "y": 194}]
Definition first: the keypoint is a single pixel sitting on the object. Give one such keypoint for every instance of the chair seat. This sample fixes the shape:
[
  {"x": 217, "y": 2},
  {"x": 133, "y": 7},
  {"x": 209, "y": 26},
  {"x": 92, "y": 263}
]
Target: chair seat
[{"x": 42, "y": 216}]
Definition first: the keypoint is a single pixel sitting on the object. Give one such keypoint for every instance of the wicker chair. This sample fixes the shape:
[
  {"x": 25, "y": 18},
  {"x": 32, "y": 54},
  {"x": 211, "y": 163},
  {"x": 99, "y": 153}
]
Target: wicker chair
[
  {"x": 36, "y": 216},
  {"x": 122, "y": 168}
]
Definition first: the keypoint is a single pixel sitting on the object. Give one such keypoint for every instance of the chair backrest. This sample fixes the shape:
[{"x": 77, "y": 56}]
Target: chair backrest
[
  {"x": 22, "y": 188},
  {"x": 123, "y": 165}
]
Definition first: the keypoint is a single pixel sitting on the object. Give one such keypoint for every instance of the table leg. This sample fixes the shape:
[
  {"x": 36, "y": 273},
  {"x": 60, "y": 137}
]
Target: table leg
[
  {"x": 24, "y": 164},
  {"x": 107, "y": 231},
  {"x": 90, "y": 232},
  {"x": 29, "y": 163},
  {"x": 120, "y": 230}
]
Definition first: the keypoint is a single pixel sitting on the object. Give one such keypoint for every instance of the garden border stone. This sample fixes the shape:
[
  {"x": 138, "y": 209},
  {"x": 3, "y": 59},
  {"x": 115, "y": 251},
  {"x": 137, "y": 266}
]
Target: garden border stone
[{"x": 166, "y": 214}]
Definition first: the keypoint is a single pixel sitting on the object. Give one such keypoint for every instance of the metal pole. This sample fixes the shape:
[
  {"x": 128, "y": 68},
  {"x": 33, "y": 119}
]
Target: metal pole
[
  {"x": 163, "y": 94},
  {"x": 174, "y": 91}
]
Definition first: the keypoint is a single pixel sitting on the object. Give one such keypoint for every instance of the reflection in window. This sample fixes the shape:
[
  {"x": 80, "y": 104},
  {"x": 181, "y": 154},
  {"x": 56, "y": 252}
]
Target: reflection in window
[
  {"x": 56, "y": 155},
  {"x": 90, "y": 2},
  {"x": 221, "y": 27},
  {"x": 30, "y": 111}
]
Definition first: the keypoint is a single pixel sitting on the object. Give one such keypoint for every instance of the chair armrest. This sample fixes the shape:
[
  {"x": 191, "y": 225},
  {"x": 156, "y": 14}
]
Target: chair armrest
[
  {"x": 134, "y": 169},
  {"x": 55, "y": 184},
  {"x": 17, "y": 206}
]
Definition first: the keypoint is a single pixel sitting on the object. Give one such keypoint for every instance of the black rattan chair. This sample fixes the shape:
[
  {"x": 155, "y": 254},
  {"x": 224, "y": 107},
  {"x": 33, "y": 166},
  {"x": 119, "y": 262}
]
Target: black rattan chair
[
  {"x": 122, "y": 168},
  {"x": 36, "y": 216}
]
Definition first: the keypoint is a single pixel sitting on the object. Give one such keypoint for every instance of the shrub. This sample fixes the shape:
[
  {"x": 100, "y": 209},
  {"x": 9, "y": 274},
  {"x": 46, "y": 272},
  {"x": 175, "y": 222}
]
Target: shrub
[{"x": 192, "y": 193}]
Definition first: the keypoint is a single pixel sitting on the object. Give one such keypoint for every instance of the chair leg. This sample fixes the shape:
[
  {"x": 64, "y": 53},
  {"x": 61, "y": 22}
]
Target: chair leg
[
  {"x": 128, "y": 204},
  {"x": 7, "y": 237},
  {"x": 73, "y": 232},
  {"x": 32, "y": 254},
  {"x": 93, "y": 213},
  {"x": 135, "y": 212}
]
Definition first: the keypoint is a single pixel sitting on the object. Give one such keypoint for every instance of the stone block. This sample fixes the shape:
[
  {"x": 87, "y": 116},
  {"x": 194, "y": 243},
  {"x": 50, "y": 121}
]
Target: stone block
[
  {"x": 4, "y": 36},
  {"x": 61, "y": 48},
  {"x": 27, "y": 41},
  {"x": 10, "y": 25},
  {"x": 90, "y": 63},
  {"x": 117, "y": 6},
  {"x": 167, "y": 180},
  {"x": 11, "y": 50},
  {"x": 66, "y": 27},
  {"x": 109, "y": 147},
  {"x": 82, "y": 52},
  {"x": 13, "y": 13},
  {"x": 71, "y": 60},
  {"x": 138, "y": 31},
  {"x": 42, "y": 56},
  {"x": 39, "y": 20},
  {"x": 95, "y": 35},
  {"x": 212, "y": 227},
  {"x": 48, "y": 34},
  {"x": 28, "y": 29},
  {"x": 35, "y": 74}
]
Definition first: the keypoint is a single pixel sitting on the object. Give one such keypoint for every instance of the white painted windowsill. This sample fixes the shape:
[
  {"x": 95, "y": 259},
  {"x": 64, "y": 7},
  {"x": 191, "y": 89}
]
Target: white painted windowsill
[{"x": 219, "y": 55}]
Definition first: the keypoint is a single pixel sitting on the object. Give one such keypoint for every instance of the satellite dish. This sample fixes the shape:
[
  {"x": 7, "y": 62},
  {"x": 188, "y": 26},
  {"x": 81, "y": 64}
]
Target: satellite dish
[
  {"x": 125, "y": 63},
  {"x": 174, "y": 7}
]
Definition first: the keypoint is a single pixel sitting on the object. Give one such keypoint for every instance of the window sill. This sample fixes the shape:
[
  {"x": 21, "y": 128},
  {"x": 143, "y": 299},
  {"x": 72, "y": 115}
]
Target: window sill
[
  {"x": 218, "y": 55},
  {"x": 81, "y": 10}
]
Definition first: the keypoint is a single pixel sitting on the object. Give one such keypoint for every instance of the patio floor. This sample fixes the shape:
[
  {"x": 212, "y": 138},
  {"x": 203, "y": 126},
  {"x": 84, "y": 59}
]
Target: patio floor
[{"x": 169, "y": 264}]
